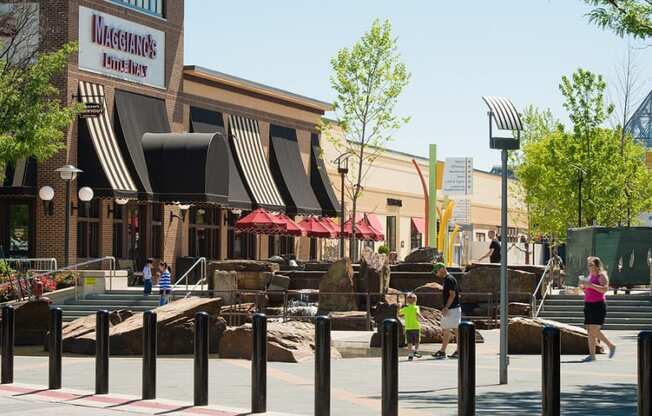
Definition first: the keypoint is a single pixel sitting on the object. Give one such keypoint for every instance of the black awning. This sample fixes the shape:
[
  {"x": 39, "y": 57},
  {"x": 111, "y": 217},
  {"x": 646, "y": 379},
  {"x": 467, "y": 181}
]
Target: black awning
[
  {"x": 136, "y": 115},
  {"x": 188, "y": 167},
  {"x": 207, "y": 121},
  {"x": 320, "y": 182},
  {"x": 289, "y": 173},
  {"x": 20, "y": 178}
]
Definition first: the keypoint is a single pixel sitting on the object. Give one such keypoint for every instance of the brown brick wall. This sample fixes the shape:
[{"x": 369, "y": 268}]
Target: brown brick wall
[{"x": 59, "y": 21}]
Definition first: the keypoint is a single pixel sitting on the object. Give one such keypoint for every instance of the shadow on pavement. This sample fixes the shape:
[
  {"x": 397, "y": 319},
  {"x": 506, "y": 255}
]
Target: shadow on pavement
[{"x": 604, "y": 399}]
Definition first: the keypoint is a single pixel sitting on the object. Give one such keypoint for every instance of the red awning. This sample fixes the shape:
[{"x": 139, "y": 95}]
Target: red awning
[
  {"x": 291, "y": 227},
  {"x": 419, "y": 224},
  {"x": 315, "y": 228},
  {"x": 373, "y": 221},
  {"x": 363, "y": 230},
  {"x": 260, "y": 221},
  {"x": 331, "y": 225}
]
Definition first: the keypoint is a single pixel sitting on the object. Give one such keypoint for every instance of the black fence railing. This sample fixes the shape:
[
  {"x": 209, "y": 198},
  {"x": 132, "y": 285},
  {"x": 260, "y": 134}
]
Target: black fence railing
[{"x": 551, "y": 349}]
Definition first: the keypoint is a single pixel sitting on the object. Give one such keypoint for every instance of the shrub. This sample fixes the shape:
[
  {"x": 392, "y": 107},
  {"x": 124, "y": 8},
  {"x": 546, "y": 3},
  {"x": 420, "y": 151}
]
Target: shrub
[{"x": 383, "y": 249}]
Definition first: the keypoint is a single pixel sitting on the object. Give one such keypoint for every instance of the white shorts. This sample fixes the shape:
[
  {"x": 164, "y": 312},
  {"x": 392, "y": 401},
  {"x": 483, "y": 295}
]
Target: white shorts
[{"x": 452, "y": 319}]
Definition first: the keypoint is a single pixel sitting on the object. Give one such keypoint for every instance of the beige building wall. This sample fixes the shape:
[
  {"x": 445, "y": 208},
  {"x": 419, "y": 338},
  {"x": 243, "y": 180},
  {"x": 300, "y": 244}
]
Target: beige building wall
[{"x": 393, "y": 175}]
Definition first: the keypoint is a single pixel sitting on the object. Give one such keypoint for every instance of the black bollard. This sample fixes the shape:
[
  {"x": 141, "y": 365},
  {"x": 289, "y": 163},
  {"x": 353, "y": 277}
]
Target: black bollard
[
  {"x": 645, "y": 373},
  {"x": 259, "y": 364},
  {"x": 8, "y": 335},
  {"x": 54, "y": 348},
  {"x": 102, "y": 352},
  {"x": 466, "y": 370},
  {"x": 550, "y": 370},
  {"x": 149, "y": 355},
  {"x": 201, "y": 359},
  {"x": 322, "y": 366},
  {"x": 390, "y": 368}
]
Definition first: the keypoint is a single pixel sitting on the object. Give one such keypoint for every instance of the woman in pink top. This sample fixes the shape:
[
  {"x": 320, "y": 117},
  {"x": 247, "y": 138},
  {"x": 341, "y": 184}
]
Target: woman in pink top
[{"x": 595, "y": 307}]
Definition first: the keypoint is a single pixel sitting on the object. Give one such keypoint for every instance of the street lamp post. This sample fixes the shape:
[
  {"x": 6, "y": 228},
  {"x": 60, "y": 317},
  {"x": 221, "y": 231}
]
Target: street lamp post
[
  {"x": 503, "y": 113},
  {"x": 580, "y": 178},
  {"x": 342, "y": 169},
  {"x": 68, "y": 173}
]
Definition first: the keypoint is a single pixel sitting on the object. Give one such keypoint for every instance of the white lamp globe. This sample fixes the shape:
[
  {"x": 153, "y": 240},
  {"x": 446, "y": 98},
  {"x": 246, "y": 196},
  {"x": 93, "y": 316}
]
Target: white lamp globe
[
  {"x": 85, "y": 194},
  {"x": 46, "y": 193},
  {"x": 121, "y": 201}
]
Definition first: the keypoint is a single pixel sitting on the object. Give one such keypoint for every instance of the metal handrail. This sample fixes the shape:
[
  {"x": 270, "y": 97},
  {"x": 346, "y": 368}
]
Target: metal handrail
[
  {"x": 202, "y": 271},
  {"x": 112, "y": 264},
  {"x": 535, "y": 310},
  {"x": 51, "y": 260}
]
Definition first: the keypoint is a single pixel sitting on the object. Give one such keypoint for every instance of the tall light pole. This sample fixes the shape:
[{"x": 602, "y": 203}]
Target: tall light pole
[
  {"x": 68, "y": 173},
  {"x": 581, "y": 173},
  {"x": 342, "y": 169},
  {"x": 503, "y": 113}
]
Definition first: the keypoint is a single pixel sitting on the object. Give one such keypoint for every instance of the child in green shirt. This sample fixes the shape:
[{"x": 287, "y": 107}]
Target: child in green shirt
[{"x": 412, "y": 314}]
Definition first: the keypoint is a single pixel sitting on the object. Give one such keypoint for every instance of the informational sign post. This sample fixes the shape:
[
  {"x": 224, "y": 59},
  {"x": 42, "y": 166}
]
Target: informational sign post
[{"x": 458, "y": 176}]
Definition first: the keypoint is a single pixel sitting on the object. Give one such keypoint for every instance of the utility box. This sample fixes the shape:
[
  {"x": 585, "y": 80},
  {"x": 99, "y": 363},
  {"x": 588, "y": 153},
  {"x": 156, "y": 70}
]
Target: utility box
[{"x": 625, "y": 253}]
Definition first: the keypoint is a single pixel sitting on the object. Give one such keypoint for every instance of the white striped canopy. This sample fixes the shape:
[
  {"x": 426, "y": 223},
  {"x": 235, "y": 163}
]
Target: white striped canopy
[
  {"x": 245, "y": 134},
  {"x": 504, "y": 112},
  {"x": 104, "y": 141}
]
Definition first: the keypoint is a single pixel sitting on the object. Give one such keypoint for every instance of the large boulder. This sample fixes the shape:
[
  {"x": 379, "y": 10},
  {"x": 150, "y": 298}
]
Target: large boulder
[
  {"x": 289, "y": 342},
  {"x": 394, "y": 296},
  {"x": 529, "y": 268},
  {"x": 481, "y": 280},
  {"x": 524, "y": 337},
  {"x": 78, "y": 336},
  {"x": 373, "y": 277},
  {"x": 225, "y": 285},
  {"x": 430, "y": 295},
  {"x": 423, "y": 255},
  {"x": 252, "y": 274},
  {"x": 336, "y": 288},
  {"x": 518, "y": 309},
  {"x": 175, "y": 329},
  {"x": 31, "y": 320},
  {"x": 349, "y": 321}
]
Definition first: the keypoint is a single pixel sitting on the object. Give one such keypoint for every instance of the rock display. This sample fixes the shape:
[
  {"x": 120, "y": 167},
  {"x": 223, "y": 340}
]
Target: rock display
[
  {"x": 518, "y": 309},
  {"x": 529, "y": 268},
  {"x": 175, "y": 329},
  {"x": 280, "y": 284},
  {"x": 524, "y": 337},
  {"x": 349, "y": 321},
  {"x": 225, "y": 283},
  {"x": 336, "y": 288},
  {"x": 373, "y": 277},
  {"x": 394, "y": 296},
  {"x": 289, "y": 342},
  {"x": 78, "y": 336},
  {"x": 487, "y": 279},
  {"x": 423, "y": 255},
  {"x": 238, "y": 314},
  {"x": 430, "y": 295},
  {"x": 252, "y": 274},
  {"x": 31, "y": 322}
]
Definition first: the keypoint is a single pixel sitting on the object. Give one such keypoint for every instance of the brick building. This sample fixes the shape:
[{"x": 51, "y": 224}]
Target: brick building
[{"x": 173, "y": 154}]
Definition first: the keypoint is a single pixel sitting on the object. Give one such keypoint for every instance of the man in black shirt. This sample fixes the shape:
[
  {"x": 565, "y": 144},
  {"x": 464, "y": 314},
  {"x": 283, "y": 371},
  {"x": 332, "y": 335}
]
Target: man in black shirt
[
  {"x": 494, "y": 249},
  {"x": 451, "y": 312}
]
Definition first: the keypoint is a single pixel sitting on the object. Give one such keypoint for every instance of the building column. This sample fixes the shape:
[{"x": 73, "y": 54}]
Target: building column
[{"x": 106, "y": 227}]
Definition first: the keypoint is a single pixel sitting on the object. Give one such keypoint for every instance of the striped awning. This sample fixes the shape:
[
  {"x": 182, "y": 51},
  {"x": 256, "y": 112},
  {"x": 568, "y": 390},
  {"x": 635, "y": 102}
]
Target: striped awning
[
  {"x": 245, "y": 136},
  {"x": 104, "y": 142}
]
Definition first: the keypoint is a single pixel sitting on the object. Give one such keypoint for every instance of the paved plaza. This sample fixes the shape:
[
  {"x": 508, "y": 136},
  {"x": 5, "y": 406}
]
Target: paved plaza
[{"x": 427, "y": 387}]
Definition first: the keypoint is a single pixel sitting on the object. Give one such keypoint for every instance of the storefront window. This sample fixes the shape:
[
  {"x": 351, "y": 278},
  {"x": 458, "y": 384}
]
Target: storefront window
[
  {"x": 204, "y": 236},
  {"x": 155, "y": 7},
  {"x": 415, "y": 240},
  {"x": 19, "y": 230},
  {"x": 240, "y": 245},
  {"x": 88, "y": 229},
  {"x": 313, "y": 249},
  {"x": 280, "y": 245},
  {"x": 390, "y": 238}
]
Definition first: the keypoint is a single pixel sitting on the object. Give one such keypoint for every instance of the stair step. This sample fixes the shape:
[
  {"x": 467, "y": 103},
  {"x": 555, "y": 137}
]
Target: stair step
[
  {"x": 95, "y": 308},
  {"x": 580, "y": 320},
  {"x": 102, "y": 302},
  {"x": 611, "y": 313}
]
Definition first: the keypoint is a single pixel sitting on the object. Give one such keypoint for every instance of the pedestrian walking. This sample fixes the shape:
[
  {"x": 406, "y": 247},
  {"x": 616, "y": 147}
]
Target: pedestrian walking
[
  {"x": 147, "y": 277},
  {"x": 411, "y": 313},
  {"x": 164, "y": 283},
  {"x": 494, "y": 249},
  {"x": 595, "y": 306},
  {"x": 451, "y": 312}
]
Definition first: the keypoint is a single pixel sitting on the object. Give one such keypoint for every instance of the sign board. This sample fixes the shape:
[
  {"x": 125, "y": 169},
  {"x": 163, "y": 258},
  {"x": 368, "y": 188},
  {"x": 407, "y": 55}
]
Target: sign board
[
  {"x": 458, "y": 176},
  {"x": 120, "y": 48},
  {"x": 462, "y": 211},
  {"x": 91, "y": 110},
  {"x": 90, "y": 281}
]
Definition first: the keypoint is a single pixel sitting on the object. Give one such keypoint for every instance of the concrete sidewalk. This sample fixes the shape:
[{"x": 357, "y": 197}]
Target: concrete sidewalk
[{"x": 427, "y": 386}]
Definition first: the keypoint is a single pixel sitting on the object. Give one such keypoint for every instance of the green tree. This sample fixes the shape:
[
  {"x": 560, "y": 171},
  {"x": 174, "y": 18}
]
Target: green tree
[
  {"x": 32, "y": 117},
  {"x": 624, "y": 17},
  {"x": 584, "y": 166},
  {"x": 368, "y": 79}
]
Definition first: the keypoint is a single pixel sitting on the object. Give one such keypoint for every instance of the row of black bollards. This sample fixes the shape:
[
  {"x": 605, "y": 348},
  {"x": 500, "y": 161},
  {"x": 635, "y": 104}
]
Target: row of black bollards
[{"x": 550, "y": 362}]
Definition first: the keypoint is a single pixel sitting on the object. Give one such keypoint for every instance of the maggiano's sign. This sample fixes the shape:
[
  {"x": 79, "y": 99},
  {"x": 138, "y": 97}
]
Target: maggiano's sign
[{"x": 121, "y": 48}]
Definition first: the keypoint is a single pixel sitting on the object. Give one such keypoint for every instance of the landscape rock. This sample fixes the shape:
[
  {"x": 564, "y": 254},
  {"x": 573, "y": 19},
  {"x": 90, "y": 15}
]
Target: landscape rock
[
  {"x": 238, "y": 314},
  {"x": 175, "y": 329},
  {"x": 518, "y": 309},
  {"x": 252, "y": 274},
  {"x": 430, "y": 295},
  {"x": 349, "y": 321},
  {"x": 31, "y": 320},
  {"x": 394, "y": 296},
  {"x": 524, "y": 337},
  {"x": 373, "y": 277},
  {"x": 423, "y": 255},
  {"x": 336, "y": 288},
  {"x": 225, "y": 285},
  {"x": 482, "y": 280},
  {"x": 78, "y": 336},
  {"x": 528, "y": 268},
  {"x": 289, "y": 342},
  {"x": 279, "y": 284}
]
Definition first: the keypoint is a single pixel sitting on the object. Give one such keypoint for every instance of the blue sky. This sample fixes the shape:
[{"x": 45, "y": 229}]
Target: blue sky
[{"x": 457, "y": 51}]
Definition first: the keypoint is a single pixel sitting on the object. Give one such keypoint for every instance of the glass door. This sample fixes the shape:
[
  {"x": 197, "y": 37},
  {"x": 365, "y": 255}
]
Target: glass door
[{"x": 19, "y": 227}]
